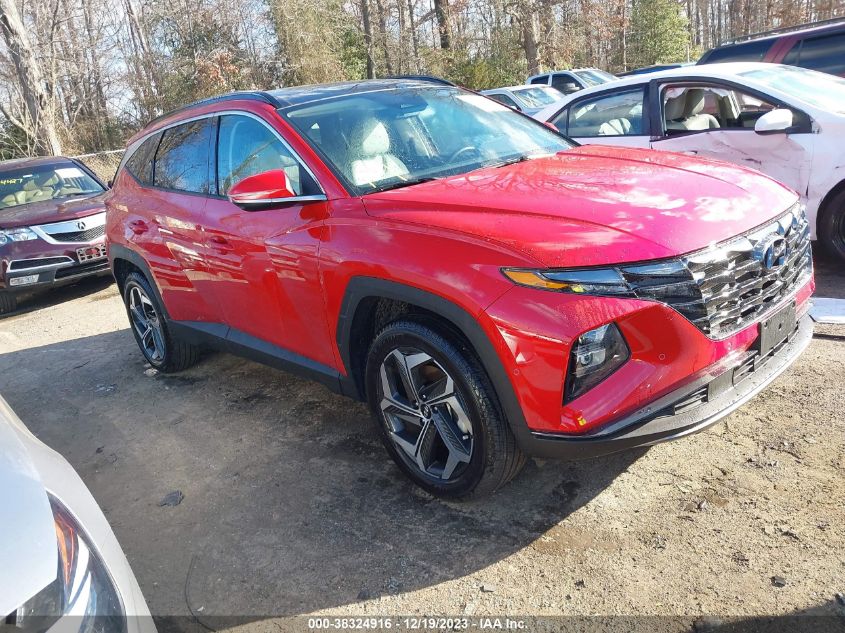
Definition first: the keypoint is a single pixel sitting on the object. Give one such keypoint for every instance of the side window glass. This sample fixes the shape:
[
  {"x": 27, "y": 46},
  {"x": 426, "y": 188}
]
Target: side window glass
[
  {"x": 745, "y": 52},
  {"x": 619, "y": 114},
  {"x": 559, "y": 121},
  {"x": 825, "y": 54},
  {"x": 565, "y": 83},
  {"x": 140, "y": 164},
  {"x": 794, "y": 54},
  {"x": 542, "y": 79},
  {"x": 505, "y": 100},
  {"x": 246, "y": 147},
  {"x": 182, "y": 158},
  {"x": 701, "y": 108}
]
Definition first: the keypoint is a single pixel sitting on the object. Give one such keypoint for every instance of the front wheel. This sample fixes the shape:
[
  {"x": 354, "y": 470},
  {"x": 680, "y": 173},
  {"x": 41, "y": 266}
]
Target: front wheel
[
  {"x": 439, "y": 417},
  {"x": 831, "y": 226},
  {"x": 162, "y": 350},
  {"x": 8, "y": 302}
]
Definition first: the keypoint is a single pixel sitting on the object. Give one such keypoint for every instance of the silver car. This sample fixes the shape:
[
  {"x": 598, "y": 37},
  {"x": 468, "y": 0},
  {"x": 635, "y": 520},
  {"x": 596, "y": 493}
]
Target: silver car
[
  {"x": 526, "y": 99},
  {"x": 61, "y": 567}
]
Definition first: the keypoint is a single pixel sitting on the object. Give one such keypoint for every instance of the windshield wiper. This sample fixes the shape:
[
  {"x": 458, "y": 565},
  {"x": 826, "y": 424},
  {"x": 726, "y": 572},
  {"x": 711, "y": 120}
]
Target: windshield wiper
[{"x": 403, "y": 183}]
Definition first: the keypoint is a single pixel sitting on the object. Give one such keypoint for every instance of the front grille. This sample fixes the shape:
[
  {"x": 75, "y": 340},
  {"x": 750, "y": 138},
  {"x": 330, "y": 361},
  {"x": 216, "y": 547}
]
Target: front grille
[
  {"x": 726, "y": 287},
  {"x": 80, "y": 236}
]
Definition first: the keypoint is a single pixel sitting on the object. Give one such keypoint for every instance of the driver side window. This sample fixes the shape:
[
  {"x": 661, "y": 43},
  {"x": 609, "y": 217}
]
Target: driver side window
[
  {"x": 701, "y": 108},
  {"x": 618, "y": 114},
  {"x": 246, "y": 147}
]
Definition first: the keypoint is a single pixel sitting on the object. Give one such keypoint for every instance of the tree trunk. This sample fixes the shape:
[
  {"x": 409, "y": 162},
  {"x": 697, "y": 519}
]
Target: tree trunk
[
  {"x": 529, "y": 37},
  {"x": 414, "y": 41},
  {"x": 440, "y": 12},
  {"x": 368, "y": 38},
  {"x": 38, "y": 103}
]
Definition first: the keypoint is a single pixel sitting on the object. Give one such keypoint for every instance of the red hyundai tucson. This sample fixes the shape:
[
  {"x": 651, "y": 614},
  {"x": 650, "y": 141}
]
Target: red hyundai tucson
[{"x": 490, "y": 288}]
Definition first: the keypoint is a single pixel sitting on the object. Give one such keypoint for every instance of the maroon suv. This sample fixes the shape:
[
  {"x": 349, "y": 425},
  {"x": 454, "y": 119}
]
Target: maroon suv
[{"x": 52, "y": 225}]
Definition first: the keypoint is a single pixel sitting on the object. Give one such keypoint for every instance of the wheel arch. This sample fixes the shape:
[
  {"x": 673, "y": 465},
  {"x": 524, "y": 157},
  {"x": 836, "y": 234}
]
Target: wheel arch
[
  {"x": 125, "y": 261},
  {"x": 369, "y": 303},
  {"x": 828, "y": 197}
]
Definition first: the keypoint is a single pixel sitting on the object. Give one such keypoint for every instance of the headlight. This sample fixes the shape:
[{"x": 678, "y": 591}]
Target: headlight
[
  {"x": 590, "y": 281},
  {"x": 82, "y": 595},
  {"x": 17, "y": 235},
  {"x": 595, "y": 355}
]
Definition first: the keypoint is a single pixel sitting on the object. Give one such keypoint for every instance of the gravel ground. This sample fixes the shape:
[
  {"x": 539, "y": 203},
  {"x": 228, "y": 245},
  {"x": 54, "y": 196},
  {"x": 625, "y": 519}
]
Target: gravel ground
[{"x": 292, "y": 507}]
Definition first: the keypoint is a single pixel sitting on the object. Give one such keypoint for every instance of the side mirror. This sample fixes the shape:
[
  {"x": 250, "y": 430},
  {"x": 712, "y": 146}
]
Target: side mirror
[
  {"x": 777, "y": 121},
  {"x": 268, "y": 187}
]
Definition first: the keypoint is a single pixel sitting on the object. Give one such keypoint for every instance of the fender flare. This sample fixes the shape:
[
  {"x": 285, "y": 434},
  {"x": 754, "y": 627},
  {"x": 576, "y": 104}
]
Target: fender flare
[
  {"x": 118, "y": 251},
  {"x": 360, "y": 288}
]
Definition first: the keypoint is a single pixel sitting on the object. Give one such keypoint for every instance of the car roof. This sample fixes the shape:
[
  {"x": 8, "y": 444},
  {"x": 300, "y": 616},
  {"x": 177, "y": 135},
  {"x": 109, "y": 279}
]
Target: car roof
[
  {"x": 727, "y": 70},
  {"x": 16, "y": 163},
  {"x": 837, "y": 24}
]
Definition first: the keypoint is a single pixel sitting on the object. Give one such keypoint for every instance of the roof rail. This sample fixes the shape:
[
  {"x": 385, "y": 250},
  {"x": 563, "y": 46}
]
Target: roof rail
[
  {"x": 784, "y": 29},
  {"x": 249, "y": 95},
  {"x": 428, "y": 78}
]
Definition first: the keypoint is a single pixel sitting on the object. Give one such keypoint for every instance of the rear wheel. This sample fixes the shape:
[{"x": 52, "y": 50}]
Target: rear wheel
[
  {"x": 8, "y": 302},
  {"x": 831, "y": 226},
  {"x": 162, "y": 350},
  {"x": 439, "y": 417}
]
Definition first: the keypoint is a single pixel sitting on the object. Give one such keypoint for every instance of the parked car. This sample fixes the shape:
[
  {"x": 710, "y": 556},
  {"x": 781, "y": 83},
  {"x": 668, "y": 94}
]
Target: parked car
[
  {"x": 526, "y": 99},
  {"x": 62, "y": 567},
  {"x": 785, "y": 121},
  {"x": 652, "y": 69},
  {"x": 569, "y": 81},
  {"x": 52, "y": 226},
  {"x": 491, "y": 290},
  {"x": 819, "y": 46}
]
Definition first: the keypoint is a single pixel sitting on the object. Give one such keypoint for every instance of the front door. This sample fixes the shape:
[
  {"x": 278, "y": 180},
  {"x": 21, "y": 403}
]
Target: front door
[
  {"x": 717, "y": 121},
  {"x": 264, "y": 262}
]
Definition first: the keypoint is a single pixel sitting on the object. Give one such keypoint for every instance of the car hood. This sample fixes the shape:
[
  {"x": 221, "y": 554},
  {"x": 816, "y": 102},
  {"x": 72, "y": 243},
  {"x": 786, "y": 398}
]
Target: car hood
[
  {"x": 27, "y": 536},
  {"x": 594, "y": 205},
  {"x": 50, "y": 211}
]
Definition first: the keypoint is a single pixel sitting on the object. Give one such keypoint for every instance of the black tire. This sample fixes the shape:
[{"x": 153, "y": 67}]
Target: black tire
[
  {"x": 8, "y": 302},
  {"x": 494, "y": 456},
  {"x": 176, "y": 354},
  {"x": 831, "y": 226}
]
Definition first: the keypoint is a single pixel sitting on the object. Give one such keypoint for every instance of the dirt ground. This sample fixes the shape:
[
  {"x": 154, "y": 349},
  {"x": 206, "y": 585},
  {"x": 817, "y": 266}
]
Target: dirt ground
[{"x": 292, "y": 507}]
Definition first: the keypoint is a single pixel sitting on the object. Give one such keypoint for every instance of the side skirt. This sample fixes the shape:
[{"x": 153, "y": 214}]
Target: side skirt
[{"x": 225, "y": 339}]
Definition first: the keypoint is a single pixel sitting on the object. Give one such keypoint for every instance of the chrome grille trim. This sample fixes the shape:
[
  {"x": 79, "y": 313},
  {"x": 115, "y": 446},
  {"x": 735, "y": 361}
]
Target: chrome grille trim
[
  {"x": 68, "y": 231},
  {"x": 724, "y": 288}
]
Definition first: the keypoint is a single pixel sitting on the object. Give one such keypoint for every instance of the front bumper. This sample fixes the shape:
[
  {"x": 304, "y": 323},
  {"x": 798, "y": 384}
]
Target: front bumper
[
  {"x": 684, "y": 411},
  {"x": 53, "y": 269}
]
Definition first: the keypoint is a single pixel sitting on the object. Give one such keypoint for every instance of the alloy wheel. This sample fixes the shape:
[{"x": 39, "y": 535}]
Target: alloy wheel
[
  {"x": 425, "y": 415},
  {"x": 147, "y": 324}
]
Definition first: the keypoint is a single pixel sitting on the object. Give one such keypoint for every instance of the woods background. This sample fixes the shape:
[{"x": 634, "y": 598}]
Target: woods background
[{"x": 81, "y": 75}]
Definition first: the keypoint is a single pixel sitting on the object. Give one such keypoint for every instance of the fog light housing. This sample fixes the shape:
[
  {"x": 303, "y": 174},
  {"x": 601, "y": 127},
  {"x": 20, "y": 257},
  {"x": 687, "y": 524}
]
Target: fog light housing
[{"x": 595, "y": 355}]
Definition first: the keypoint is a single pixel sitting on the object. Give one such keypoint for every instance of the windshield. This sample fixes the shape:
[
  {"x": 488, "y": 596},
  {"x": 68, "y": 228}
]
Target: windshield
[
  {"x": 538, "y": 97},
  {"x": 44, "y": 182},
  {"x": 595, "y": 77},
  {"x": 388, "y": 138},
  {"x": 824, "y": 91}
]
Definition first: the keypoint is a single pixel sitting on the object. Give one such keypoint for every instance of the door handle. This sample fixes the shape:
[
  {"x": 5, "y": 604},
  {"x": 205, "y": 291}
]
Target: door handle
[
  {"x": 220, "y": 244},
  {"x": 138, "y": 227}
]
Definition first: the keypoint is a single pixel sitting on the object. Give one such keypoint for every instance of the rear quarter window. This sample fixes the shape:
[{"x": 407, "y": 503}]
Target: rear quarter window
[
  {"x": 825, "y": 54},
  {"x": 140, "y": 164}
]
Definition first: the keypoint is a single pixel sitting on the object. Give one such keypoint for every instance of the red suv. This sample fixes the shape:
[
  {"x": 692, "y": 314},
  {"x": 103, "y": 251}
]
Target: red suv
[{"x": 493, "y": 290}]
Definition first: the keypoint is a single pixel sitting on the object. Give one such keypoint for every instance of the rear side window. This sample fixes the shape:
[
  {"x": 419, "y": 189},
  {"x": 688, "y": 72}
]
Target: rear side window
[
  {"x": 565, "y": 83},
  {"x": 246, "y": 147},
  {"x": 140, "y": 164},
  {"x": 182, "y": 159},
  {"x": 825, "y": 54},
  {"x": 619, "y": 114},
  {"x": 745, "y": 52},
  {"x": 542, "y": 79}
]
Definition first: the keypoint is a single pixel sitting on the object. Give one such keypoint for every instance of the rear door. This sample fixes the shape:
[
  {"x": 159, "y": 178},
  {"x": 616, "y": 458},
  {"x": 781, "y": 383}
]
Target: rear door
[
  {"x": 264, "y": 262},
  {"x": 733, "y": 111},
  {"x": 167, "y": 228}
]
